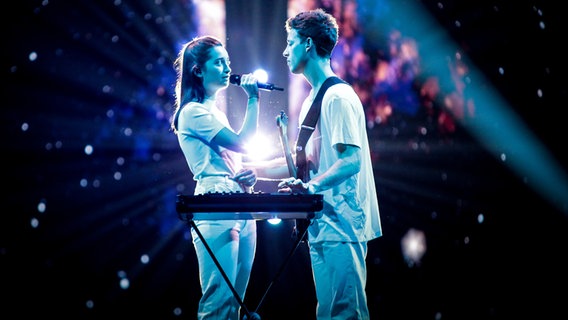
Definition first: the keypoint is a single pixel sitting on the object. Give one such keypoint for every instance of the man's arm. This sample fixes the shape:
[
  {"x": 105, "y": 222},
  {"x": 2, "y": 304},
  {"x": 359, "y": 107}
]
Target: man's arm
[{"x": 348, "y": 164}]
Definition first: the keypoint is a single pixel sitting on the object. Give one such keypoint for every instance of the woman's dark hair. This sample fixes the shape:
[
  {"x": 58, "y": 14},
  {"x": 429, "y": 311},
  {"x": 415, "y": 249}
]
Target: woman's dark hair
[
  {"x": 190, "y": 60},
  {"x": 318, "y": 25}
]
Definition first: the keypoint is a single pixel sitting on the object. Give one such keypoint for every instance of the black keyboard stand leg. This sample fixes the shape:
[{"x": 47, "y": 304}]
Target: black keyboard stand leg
[{"x": 248, "y": 314}]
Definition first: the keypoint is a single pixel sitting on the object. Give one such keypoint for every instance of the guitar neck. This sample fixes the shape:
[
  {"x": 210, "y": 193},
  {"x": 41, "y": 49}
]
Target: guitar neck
[
  {"x": 282, "y": 121},
  {"x": 288, "y": 155}
]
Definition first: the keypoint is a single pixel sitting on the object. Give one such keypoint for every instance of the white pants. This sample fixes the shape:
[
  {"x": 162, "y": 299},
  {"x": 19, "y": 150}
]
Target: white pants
[
  {"x": 340, "y": 277},
  {"x": 233, "y": 243}
]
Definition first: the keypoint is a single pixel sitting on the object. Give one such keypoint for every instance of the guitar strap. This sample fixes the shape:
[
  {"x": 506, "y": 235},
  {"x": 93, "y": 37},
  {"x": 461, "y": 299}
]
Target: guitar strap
[
  {"x": 308, "y": 127},
  {"x": 306, "y": 130}
]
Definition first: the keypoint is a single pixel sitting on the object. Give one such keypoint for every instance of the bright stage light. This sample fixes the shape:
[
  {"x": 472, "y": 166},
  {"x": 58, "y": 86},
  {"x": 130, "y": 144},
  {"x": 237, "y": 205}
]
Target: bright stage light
[
  {"x": 413, "y": 246},
  {"x": 274, "y": 221},
  {"x": 260, "y": 148},
  {"x": 261, "y": 75}
]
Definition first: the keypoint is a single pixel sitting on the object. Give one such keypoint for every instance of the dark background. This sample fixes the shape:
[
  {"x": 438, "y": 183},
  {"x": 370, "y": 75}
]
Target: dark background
[{"x": 490, "y": 199}]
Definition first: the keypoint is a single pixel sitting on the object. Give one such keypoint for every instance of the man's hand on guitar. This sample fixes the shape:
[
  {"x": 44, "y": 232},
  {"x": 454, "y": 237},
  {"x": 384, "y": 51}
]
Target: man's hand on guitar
[{"x": 293, "y": 185}]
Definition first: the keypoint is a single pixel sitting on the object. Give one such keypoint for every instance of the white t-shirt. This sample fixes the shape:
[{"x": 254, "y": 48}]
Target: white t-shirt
[
  {"x": 351, "y": 211},
  {"x": 198, "y": 124}
]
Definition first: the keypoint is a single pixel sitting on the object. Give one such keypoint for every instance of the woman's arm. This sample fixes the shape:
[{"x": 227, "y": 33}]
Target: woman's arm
[
  {"x": 237, "y": 141},
  {"x": 269, "y": 169}
]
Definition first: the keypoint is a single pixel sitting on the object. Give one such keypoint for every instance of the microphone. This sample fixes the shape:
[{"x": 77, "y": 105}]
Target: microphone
[{"x": 236, "y": 80}]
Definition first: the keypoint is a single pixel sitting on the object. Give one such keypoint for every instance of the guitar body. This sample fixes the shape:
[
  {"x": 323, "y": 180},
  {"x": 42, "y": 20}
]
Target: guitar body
[
  {"x": 282, "y": 123},
  {"x": 300, "y": 225}
]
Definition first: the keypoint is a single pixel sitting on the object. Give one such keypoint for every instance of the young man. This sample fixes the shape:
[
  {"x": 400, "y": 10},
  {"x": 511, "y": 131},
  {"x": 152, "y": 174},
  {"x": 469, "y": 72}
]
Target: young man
[{"x": 339, "y": 167}]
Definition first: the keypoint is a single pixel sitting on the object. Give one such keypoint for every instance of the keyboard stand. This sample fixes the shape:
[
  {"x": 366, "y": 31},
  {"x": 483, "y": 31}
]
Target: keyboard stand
[
  {"x": 250, "y": 315},
  {"x": 251, "y": 206}
]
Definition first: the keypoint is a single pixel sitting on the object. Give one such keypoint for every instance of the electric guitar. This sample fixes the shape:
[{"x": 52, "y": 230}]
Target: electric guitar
[
  {"x": 282, "y": 123},
  {"x": 300, "y": 225}
]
